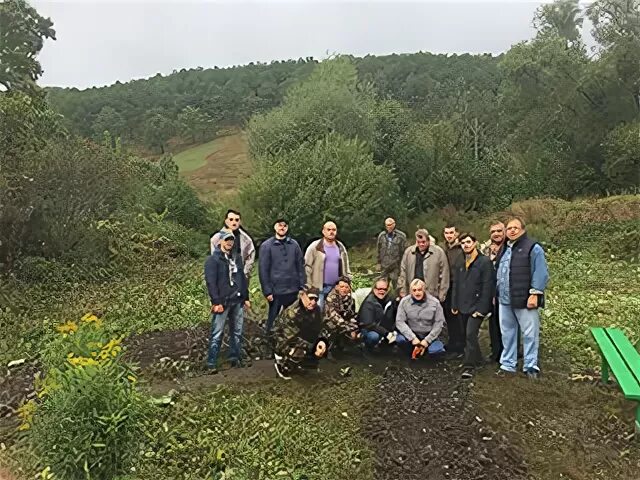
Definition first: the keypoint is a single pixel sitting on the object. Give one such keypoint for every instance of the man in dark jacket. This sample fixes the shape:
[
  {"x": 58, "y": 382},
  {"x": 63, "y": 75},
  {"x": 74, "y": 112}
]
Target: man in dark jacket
[
  {"x": 281, "y": 270},
  {"x": 376, "y": 317},
  {"x": 472, "y": 298},
  {"x": 227, "y": 286},
  {"x": 455, "y": 257},
  {"x": 298, "y": 334}
]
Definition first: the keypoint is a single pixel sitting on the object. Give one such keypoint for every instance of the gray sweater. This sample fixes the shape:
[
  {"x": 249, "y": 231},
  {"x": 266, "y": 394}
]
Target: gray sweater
[{"x": 420, "y": 318}]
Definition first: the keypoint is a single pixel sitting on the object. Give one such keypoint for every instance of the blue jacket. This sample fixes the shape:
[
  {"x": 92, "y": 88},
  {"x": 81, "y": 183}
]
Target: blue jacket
[
  {"x": 281, "y": 266},
  {"x": 226, "y": 285}
]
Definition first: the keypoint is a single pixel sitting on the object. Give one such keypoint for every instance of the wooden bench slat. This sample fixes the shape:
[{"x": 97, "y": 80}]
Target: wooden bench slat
[{"x": 627, "y": 381}]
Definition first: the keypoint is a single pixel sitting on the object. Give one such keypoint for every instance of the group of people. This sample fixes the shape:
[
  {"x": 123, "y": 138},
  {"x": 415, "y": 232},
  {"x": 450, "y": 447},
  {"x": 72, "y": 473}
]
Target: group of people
[{"x": 422, "y": 288}]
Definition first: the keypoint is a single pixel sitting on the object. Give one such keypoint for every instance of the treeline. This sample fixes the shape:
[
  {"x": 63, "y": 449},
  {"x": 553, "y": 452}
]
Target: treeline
[{"x": 193, "y": 103}]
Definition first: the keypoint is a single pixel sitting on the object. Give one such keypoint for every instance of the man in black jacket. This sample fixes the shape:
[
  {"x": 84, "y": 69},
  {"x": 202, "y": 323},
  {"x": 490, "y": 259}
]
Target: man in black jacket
[
  {"x": 376, "y": 317},
  {"x": 472, "y": 298},
  {"x": 227, "y": 286}
]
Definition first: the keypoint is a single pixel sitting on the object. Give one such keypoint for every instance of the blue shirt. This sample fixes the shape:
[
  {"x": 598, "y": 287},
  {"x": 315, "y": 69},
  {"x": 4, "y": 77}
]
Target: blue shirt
[{"x": 539, "y": 273}]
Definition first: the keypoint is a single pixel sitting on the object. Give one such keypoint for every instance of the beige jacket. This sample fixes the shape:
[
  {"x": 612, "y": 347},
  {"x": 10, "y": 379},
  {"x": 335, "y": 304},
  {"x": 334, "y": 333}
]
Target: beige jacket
[
  {"x": 314, "y": 262},
  {"x": 436, "y": 271}
]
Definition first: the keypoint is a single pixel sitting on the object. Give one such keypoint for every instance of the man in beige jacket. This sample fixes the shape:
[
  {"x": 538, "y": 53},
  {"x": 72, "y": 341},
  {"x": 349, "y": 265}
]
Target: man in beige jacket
[
  {"x": 325, "y": 261},
  {"x": 427, "y": 262}
]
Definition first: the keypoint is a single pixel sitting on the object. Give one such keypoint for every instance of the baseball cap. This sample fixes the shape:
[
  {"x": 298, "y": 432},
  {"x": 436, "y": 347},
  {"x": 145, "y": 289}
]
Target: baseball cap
[
  {"x": 312, "y": 292},
  {"x": 226, "y": 235}
]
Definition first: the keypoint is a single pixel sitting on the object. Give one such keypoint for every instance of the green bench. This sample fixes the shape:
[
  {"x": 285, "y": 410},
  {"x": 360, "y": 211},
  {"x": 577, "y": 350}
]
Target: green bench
[{"x": 621, "y": 358}]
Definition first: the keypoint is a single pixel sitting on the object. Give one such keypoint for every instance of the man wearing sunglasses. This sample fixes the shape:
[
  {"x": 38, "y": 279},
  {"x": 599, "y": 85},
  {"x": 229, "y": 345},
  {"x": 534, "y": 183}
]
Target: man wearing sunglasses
[
  {"x": 376, "y": 315},
  {"x": 242, "y": 245}
]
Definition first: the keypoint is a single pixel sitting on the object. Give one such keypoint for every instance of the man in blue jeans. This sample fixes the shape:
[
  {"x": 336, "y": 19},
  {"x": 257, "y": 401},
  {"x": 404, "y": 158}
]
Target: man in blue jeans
[
  {"x": 227, "y": 286},
  {"x": 376, "y": 315},
  {"x": 522, "y": 276}
]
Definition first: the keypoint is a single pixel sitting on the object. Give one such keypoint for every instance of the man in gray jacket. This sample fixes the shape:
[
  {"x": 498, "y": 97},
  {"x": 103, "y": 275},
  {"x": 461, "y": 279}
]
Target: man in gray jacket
[
  {"x": 419, "y": 321},
  {"x": 425, "y": 261}
]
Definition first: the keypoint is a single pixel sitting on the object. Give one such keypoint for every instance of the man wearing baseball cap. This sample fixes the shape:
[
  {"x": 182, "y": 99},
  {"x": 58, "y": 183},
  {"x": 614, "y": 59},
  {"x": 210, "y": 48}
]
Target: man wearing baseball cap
[
  {"x": 227, "y": 286},
  {"x": 298, "y": 333}
]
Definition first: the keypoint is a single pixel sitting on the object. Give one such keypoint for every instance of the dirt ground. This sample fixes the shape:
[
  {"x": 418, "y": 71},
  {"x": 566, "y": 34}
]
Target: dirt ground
[{"x": 425, "y": 422}]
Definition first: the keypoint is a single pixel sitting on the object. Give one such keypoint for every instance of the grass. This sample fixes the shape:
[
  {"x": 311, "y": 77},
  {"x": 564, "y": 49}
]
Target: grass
[{"x": 196, "y": 157}]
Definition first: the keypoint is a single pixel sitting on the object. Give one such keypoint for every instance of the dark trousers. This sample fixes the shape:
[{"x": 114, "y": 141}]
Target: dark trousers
[
  {"x": 472, "y": 352},
  {"x": 494, "y": 334},
  {"x": 279, "y": 303},
  {"x": 454, "y": 327}
]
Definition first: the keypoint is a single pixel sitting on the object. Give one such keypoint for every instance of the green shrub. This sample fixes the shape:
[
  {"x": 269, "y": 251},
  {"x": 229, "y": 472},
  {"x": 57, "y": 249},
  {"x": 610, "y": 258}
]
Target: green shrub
[
  {"x": 335, "y": 179},
  {"x": 88, "y": 420}
]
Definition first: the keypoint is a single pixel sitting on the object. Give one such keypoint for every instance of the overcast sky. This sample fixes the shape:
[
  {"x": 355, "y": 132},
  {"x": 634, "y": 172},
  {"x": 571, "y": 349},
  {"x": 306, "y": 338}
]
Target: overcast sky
[{"x": 99, "y": 42}]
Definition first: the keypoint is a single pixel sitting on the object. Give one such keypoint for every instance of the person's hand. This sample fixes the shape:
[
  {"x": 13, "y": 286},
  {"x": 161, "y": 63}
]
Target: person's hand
[
  {"x": 477, "y": 315},
  {"x": 247, "y": 304},
  {"x": 415, "y": 342},
  {"x": 424, "y": 343},
  {"x": 217, "y": 308},
  {"x": 454, "y": 311},
  {"x": 355, "y": 335},
  {"x": 532, "y": 301},
  {"x": 269, "y": 298},
  {"x": 321, "y": 349}
]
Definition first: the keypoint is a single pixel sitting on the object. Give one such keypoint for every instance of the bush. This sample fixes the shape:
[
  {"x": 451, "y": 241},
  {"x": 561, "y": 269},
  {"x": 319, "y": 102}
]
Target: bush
[
  {"x": 88, "y": 420},
  {"x": 335, "y": 179}
]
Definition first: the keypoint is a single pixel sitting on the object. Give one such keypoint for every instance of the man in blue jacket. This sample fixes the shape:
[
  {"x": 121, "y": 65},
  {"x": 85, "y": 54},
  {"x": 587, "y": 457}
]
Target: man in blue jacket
[
  {"x": 227, "y": 286},
  {"x": 281, "y": 270},
  {"x": 522, "y": 276}
]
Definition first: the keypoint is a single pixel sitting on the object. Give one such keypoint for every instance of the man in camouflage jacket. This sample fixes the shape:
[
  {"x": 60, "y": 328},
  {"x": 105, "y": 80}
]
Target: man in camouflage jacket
[
  {"x": 298, "y": 334},
  {"x": 340, "y": 314}
]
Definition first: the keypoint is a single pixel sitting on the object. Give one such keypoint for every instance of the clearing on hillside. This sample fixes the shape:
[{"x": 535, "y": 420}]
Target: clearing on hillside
[{"x": 216, "y": 169}]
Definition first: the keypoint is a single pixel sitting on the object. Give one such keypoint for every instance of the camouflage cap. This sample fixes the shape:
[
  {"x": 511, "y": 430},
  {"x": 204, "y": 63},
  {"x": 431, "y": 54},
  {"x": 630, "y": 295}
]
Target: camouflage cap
[{"x": 311, "y": 291}]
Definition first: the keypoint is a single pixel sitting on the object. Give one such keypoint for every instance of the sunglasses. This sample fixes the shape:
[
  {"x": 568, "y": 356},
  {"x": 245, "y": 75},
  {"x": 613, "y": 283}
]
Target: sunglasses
[
  {"x": 495, "y": 231},
  {"x": 383, "y": 289}
]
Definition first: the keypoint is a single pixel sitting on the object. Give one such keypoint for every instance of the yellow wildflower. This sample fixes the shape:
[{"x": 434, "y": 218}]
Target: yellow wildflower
[
  {"x": 67, "y": 328},
  {"x": 26, "y": 413},
  {"x": 82, "y": 361}
]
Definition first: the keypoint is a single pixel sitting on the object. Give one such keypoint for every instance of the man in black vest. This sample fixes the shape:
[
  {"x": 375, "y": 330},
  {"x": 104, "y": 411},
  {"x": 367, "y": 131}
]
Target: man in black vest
[{"x": 522, "y": 276}]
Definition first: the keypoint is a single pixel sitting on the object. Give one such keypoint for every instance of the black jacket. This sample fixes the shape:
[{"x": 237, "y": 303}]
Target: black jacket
[
  {"x": 219, "y": 279},
  {"x": 378, "y": 316},
  {"x": 473, "y": 289}
]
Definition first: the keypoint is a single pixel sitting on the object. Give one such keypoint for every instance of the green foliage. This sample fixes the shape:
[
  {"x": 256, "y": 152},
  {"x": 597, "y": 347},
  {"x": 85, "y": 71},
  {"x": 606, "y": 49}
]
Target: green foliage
[
  {"x": 108, "y": 120},
  {"x": 22, "y": 35},
  {"x": 88, "y": 420},
  {"x": 158, "y": 129},
  {"x": 292, "y": 433},
  {"x": 335, "y": 179},
  {"x": 328, "y": 101},
  {"x": 194, "y": 123},
  {"x": 622, "y": 156}
]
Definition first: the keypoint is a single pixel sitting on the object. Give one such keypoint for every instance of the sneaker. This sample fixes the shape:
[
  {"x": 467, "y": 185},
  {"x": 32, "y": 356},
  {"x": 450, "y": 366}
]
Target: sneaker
[
  {"x": 503, "y": 373},
  {"x": 211, "y": 370},
  {"x": 533, "y": 374},
  {"x": 467, "y": 374},
  {"x": 280, "y": 371}
]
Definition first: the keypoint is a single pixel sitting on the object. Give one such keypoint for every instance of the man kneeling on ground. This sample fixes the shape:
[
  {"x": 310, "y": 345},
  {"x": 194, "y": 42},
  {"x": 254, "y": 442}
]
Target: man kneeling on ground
[
  {"x": 298, "y": 334},
  {"x": 419, "y": 321},
  {"x": 340, "y": 315},
  {"x": 376, "y": 315}
]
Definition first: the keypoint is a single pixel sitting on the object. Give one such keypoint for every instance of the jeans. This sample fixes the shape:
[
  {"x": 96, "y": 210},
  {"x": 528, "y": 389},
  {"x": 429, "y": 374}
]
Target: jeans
[
  {"x": 529, "y": 322},
  {"x": 326, "y": 289},
  {"x": 235, "y": 313},
  {"x": 472, "y": 352},
  {"x": 370, "y": 338},
  {"x": 435, "y": 348},
  {"x": 279, "y": 303}
]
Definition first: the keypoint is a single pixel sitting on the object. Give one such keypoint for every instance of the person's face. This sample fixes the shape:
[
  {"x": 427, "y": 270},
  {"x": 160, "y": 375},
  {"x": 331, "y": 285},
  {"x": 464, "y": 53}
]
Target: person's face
[
  {"x": 390, "y": 225},
  {"x": 281, "y": 229},
  {"x": 329, "y": 231},
  {"x": 497, "y": 233},
  {"x": 450, "y": 234},
  {"x": 311, "y": 302},
  {"x": 380, "y": 289},
  {"x": 514, "y": 230},
  {"x": 232, "y": 221},
  {"x": 227, "y": 244},
  {"x": 423, "y": 243},
  {"x": 468, "y": 245},
  {"x": 417, "y": 292},
  {"x": 344, "y": 289}
]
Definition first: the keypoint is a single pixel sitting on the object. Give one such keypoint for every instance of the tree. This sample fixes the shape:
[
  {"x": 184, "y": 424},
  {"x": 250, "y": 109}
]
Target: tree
[
  {"x": 562, "y": 17},
  {"x": 22, "y": 35},
  {"x": 158, "y": 129},
  {"x": 194, "y": 123},
  {"x": 622, "y": 156},
  {"x": 108, "y": 120}
]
